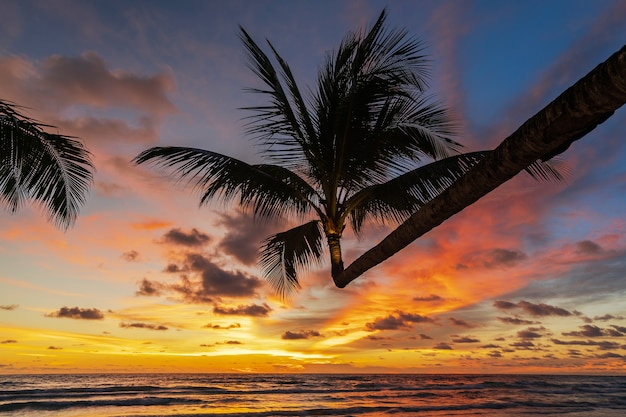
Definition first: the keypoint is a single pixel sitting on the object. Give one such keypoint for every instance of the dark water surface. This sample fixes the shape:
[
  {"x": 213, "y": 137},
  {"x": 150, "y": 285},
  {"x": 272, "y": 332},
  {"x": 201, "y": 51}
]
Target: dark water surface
[{"x": 310, "y": 395}]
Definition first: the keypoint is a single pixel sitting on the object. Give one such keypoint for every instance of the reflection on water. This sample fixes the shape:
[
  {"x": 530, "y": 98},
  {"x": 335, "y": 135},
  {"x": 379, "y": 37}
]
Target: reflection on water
[{"x": 305, "y": 395}]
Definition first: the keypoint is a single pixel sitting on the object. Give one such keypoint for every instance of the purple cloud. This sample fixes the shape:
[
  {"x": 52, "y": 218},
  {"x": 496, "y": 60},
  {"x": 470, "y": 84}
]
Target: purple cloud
[{"x": 193, "y": 238}]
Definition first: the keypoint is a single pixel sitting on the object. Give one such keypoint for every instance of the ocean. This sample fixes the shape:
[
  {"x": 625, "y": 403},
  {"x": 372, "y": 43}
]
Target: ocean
[{"x": 234, "y": 395}]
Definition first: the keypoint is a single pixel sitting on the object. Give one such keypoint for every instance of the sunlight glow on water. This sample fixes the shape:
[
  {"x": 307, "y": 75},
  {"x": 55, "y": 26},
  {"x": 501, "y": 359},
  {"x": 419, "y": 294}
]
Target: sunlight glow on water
[{"x": 304, "y": 395}]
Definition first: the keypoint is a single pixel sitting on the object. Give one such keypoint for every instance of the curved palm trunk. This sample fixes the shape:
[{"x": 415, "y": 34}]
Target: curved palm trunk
[
  {"x": 573, "y": 114},
  {"x": 336, "y": 261}
]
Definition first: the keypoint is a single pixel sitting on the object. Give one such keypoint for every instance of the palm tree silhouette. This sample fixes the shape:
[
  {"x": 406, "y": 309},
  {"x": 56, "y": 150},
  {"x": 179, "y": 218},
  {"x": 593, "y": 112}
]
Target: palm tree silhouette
[
  {"x": 52, "y": 170},
  {"x": 352, "y": 152}
]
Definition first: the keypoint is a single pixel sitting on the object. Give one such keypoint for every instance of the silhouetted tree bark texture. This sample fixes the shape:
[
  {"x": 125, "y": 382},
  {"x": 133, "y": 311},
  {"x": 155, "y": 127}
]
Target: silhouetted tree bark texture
[{"x": 572, "y": 115}]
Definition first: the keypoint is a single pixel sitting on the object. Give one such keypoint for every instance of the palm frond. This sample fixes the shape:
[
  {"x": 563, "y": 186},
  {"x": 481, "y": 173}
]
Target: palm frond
[
  {"x": 282, "y": 126},
  {"x": 398, "y": 198},
  {"x": 371, "y": 111},
  {"x": 545, "y": 171},
  {"x": 269, "y": 190},
  {"x": 53, "y": 170},
  {"x": 285, "y": 253}
]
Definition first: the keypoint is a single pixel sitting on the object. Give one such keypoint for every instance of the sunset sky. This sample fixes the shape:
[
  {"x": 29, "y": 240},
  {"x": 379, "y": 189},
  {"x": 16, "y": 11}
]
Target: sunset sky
[{"x": 532, "y": 278}]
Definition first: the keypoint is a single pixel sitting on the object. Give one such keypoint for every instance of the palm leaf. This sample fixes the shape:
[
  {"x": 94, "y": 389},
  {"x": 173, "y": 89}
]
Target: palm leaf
[
  {"x": 53, "y": 170},
  {"x": 371, "y": 114},
  {"x": 269, "y": 190},
  {"x": 282, "y": 255},
  {"x": 402, "y": 196},
  {"x": 282, "y": 127}
]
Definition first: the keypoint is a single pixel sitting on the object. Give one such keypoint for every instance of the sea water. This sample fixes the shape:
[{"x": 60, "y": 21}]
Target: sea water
[{"x": 96, "y": 395}]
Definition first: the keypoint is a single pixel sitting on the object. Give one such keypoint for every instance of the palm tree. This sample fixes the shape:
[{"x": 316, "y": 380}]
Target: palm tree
[
  {"x": 352, "y": 152},
  {"x": 572, "y": 115},
  {"x": 52, "y": 170}
]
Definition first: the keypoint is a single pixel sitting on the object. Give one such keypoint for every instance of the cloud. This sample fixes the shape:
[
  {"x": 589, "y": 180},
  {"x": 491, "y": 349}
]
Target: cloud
[
  {"x": 150, "y": 288},
  {"x": 542, "y": 310},
  {"x": 620, "y": 329},
  {"x": 150, "y": 225},
  {"x": 515, "y": 320},
  {"x": 252, "y": 310},
  {"x": 535, "y": 310},
  {"x": 610, "y": 355},
  {"x": 608, "y": 317},
  {"x": 603, "y": 345},
  {"x": 588, "y": 247},
  {"x": 230, "y": 342},
  {"x": 442, "y": 346},
  {"x": 205, "y": 283},
  {"x": 9, "y": 307},
  {"x": 54, "y": 348},
  {"x": 504, "y": 305},
  {"x": 428, "y": 298},
  {"x": 461, "y": 323},
  {"x": 86, "y": 79},
  {"x": 77, "y": 313},
  {"x": 490, "y": 346},
  {"x": 397, "y": 321},
  {"x": 87, "y": 89},
  {"x": 503, "y": 257},
  {"x": 523, "y": 344},
  {"x": 303, "y": 334},
  {"x": 466, "y": 339},
  {"x": 137, "y": 325},
  {"x": 192, "y": 238},
  {"x": 244, "y": 236},
  {"x": 5, "y": 342},
  {"x": 131, "y": 256},
  {"x": 220, "y": 327},
  {"x": 215, "y": 282},
  {"x": 530, "y": 333},
  {"x": 589, "y": 330},
  {"x": 111, "y": 130}
]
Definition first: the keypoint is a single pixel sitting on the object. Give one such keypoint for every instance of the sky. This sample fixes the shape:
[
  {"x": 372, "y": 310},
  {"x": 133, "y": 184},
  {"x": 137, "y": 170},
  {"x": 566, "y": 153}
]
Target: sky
[{"x": 530, "y": 279}]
